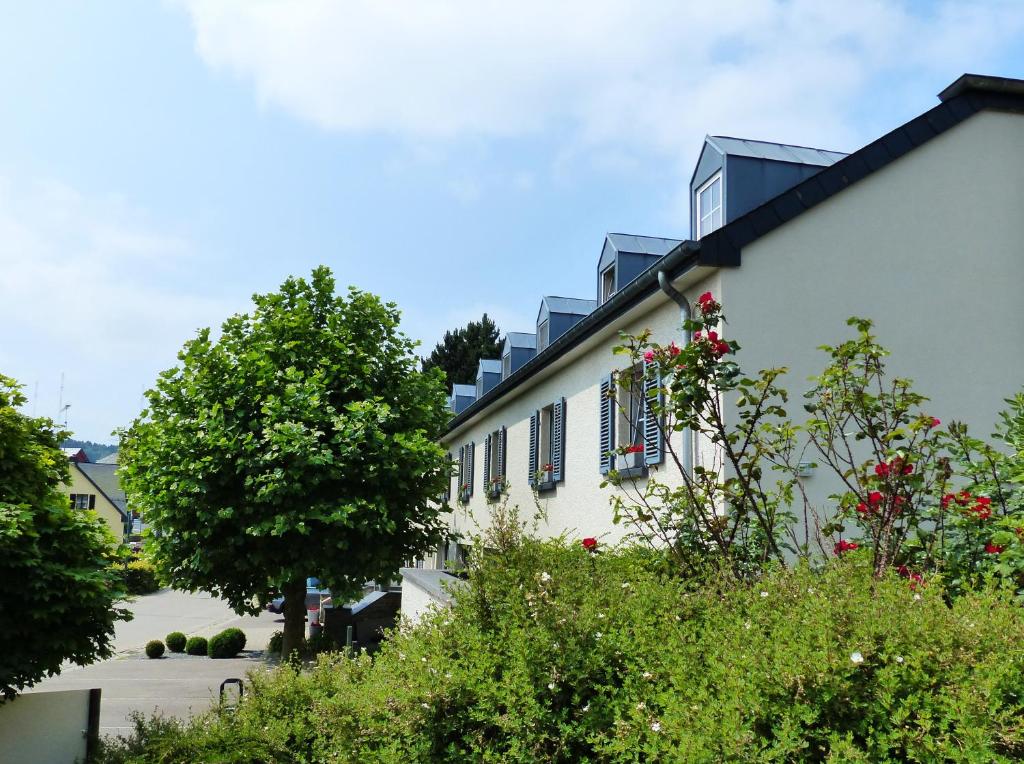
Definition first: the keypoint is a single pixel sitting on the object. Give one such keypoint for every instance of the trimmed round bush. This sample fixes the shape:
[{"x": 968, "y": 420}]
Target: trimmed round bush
[
  {"x": 227, "y": 644},
  {"x": 176, "y": 642},
  {"x": 196, "y": 646},
  {"x": 155, "y": 648}
]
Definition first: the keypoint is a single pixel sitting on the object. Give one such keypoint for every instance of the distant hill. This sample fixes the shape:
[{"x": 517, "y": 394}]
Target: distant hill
[{"x": 95, "y": 451}]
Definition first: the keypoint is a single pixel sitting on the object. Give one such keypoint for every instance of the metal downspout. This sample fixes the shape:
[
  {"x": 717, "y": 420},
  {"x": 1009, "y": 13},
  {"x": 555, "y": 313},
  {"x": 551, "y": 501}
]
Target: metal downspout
[{"x": 684, "y": 309}]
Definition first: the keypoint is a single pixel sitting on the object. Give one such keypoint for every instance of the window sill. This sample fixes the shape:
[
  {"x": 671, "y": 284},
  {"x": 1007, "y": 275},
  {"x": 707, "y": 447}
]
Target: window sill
[{"x": 628, "y": 473}]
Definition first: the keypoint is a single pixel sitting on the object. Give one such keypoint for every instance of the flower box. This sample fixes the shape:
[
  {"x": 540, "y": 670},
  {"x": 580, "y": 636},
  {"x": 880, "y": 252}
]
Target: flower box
[{"x": 496, "y": 488}]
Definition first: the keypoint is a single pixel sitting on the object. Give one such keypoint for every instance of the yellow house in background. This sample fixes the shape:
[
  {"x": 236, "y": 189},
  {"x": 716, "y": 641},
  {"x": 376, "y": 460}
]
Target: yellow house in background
[{"x": 95, "y": 486}]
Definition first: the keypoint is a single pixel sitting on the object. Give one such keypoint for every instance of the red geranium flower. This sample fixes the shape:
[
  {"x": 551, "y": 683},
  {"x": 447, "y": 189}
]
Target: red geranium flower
[
  {"x": 589, "y": 543},
  {"x": 994, "y": 548},
  {"x": 845, "y": 546},
  {"x": 636, "y": 448}
]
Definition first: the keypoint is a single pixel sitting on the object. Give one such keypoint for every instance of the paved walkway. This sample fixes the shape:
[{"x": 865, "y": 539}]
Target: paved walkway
[{"x": 175, "y": 685}]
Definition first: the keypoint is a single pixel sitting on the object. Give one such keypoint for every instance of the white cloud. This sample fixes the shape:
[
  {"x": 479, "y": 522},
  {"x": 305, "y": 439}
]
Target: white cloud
[
  {"x": 652, "y": 76},
  {"x": 89, "y": 289}
]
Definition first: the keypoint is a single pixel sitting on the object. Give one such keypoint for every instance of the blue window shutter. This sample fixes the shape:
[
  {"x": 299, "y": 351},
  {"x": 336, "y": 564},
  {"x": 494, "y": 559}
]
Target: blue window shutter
[
  {"x": 534, "y": 420},
  {"x": 607, "y": 424},
  {"x": 558, "y": 440},
  {"x": 471, "y": 454},
  {"x": 487, "y": 463},
  {"x": 502, "y": 444},
  {"x": 654, "y": 448},
  {"x": 462, "y": 470}
]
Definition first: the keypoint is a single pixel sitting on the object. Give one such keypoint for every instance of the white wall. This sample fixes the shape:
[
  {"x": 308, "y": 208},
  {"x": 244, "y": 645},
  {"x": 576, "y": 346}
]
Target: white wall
[
  {"x": 44, "y": 727},
  {"x": 578, "y": 506}
]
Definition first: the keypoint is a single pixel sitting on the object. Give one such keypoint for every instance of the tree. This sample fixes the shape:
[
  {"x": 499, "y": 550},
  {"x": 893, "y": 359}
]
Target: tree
[
  {"x": 301, "y": 443},
  {"x": 57, "y": 587},
  {"x": 458, "y": 354}
]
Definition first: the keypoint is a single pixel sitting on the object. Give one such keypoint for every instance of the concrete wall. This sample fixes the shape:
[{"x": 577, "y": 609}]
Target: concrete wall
[
  {"x": 45, "y": 728},
  {"x": 931, "y": 248},
  {"x": 425, "y": 590},
  {"x": 578, "y": 506}
]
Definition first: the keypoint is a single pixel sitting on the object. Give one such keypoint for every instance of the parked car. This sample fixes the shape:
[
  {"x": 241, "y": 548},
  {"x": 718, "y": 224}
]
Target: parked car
[{"x": 314, "y": 596}]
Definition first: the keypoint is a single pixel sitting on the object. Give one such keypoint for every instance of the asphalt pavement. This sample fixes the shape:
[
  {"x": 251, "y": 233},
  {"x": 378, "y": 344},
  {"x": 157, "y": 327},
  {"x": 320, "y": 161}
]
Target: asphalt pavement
[{"x": 175, "y": 685}]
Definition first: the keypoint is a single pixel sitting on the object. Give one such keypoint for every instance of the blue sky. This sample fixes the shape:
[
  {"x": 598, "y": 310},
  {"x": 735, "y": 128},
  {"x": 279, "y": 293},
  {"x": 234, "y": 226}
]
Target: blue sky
[{"x": 162, "y": 161}]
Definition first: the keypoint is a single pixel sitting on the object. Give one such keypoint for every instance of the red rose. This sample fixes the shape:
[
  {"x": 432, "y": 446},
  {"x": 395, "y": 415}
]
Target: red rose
[
  {"x": 875, "y": 497},
  {"x": 907, "y": 469},
  {"x": 721, "y": 348},
  {"x": 882, "y": 469},
  {"x": 705, "y": 298},
  {"x": 712, "y": 336},
  {"x": 845, "y": 546},
  {"x": 696, "y": 336},
  {"x": 649, "y": 356},
  {"x": 673, "y": 349},
  {"x": 862, "y": 508},
  {"x": 994, "y": 548},
  {"x": 589, "y": 543},
  {"x": 936, "y": 421}
]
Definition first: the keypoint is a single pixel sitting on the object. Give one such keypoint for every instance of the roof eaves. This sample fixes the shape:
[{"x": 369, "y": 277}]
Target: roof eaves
[{"x": 688, "y": 254}]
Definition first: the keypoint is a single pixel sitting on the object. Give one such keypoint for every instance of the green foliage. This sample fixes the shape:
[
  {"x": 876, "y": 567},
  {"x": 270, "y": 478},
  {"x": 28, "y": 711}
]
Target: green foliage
[
  {"x": 176, "y": 642},
  {"x": 226, "y": 644},
  {"x": 731, "y": 506},
  {"x": 458, "y": 355},
  {"x": 275, "y": 642},
  {"x": 57, "y": 587},
  {"x": 154, "y": 649},
  {"x": 196, "y": 646},
  {"x": 303, "y": 438},
  {"x": 557, "y": 654},
  {"x": 140, "y": 577}
]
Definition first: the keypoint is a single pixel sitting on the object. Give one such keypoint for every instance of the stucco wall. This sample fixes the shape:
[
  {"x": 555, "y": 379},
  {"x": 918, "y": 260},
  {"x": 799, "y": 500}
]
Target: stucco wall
[
  {"x": 931, "y": 248},
  {"x": 578, "y": 506}
]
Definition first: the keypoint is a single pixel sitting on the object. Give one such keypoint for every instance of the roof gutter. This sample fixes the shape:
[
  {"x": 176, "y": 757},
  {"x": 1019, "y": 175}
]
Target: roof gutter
[{"x": 682, "y": 258}]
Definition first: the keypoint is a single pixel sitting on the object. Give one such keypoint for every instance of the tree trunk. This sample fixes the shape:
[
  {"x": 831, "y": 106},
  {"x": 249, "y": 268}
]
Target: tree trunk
[{"x": 294, "y": 616}]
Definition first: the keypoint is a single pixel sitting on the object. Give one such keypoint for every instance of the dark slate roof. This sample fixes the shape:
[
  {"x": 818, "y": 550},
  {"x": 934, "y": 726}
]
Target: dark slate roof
[
  {"x": 968, "y": 95},
  {"x": 572, "y": 305},
  {"x": 464, "y": 390},
  {"x": 777, "y": 152},
  {"x": 632, "y": 243},
  {"x": 489, "y": 366},
  {"x": 104, "y": 477},
  {"x": 520, "y": 340},
  {"x": 109, "y": 458}
]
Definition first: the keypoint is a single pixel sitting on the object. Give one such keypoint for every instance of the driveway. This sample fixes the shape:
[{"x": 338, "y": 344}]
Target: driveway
[{"x": 176, "y": 685}]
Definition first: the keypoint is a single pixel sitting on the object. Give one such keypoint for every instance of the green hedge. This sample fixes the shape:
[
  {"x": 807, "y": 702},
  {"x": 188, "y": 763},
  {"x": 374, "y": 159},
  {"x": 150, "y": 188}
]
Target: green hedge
[
  {"x": 140, "y": 577},
  {"x": 554, "y": 654},
  {"x": 227, "y": 644}
]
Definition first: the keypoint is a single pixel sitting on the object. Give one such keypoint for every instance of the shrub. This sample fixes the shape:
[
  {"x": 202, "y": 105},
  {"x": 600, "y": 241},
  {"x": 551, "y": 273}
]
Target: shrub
[
  {"x": 140, "y": 577},
  {"x": 559, "y": 654},
  {"x": 176, "y": 642},
  {"x": 196, "y": 646},
  {"x": 275, "y": 642},
  {"x": 154, "y": 648},
  {"x": 227, "y": 644}
]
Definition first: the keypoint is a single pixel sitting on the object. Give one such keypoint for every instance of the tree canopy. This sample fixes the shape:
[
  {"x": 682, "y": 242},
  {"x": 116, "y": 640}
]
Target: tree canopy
[
  {"x": 57, "y": 587},
  {"x": 302, "y": 442},
  {"x": 459, "y": 353}
]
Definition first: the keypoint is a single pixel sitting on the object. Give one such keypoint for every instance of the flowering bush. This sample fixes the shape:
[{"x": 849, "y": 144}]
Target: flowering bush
[
  {"x": 731, "y": 505},
  {"x": 553, "y": 654}
]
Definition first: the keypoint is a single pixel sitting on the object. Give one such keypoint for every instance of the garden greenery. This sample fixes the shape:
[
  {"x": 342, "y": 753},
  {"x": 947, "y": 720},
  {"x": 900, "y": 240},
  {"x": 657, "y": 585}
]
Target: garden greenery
[{"x": 559, "y": 653}]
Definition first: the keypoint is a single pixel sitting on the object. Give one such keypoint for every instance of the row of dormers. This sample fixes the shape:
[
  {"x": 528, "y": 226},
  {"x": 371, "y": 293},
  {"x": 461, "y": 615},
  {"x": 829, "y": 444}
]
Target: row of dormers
[{"x": 732, "y": 177}]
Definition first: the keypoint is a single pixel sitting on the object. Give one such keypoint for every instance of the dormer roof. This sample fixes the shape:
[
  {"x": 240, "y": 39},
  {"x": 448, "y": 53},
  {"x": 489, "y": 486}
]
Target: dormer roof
[
  {"x": 776, "y": 152},
  {"x": 634, "y": 244},
  {"x": 519, "y": 340}
]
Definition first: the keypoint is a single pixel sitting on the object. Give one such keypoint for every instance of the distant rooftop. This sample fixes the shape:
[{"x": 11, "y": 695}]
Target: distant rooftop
[
  {"x": 521, "y": 340},
  {"x": 490, "y": 365},
  {"x": 109, "y": 458},
  {"x": 643, "y": 245},
  {"x": 779, "y": 152},
  {"x": 574, "y": 305}
]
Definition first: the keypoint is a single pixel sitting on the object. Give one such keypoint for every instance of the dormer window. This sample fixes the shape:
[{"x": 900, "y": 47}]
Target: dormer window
[
  {"x": 709, "y": 205},
  {"x": 506, "y": 365},
  {"x": 607, "y": 284},
  {"x": 542, "y": 335}
]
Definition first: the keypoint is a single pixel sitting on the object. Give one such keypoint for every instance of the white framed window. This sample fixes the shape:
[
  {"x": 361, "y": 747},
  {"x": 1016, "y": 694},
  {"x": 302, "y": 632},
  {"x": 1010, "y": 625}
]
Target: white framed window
[
  {"x": 708, "y": 203},
  {"x": 542, "y": 335},
  {"x": 83, "y": 501},
  {"x": 629, "y": 429},
  {"x": 607, "y": 284},
  {"x": 506, "y": 366}
]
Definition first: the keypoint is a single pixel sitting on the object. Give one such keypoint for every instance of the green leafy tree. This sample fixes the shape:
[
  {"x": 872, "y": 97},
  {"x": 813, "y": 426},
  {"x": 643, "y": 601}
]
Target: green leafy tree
[
  {"x": 301, "y": 443},
  {"x": 459, "y": 353},
  {"x": 57, "y": 587}
]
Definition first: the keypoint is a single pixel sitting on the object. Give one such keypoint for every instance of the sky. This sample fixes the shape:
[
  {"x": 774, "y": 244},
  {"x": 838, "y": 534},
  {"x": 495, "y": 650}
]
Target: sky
[{"x": 162, "y": 161}]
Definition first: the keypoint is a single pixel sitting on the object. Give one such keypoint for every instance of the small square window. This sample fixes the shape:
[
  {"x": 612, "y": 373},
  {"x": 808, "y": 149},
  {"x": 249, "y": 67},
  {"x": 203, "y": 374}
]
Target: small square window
[
  {"x": 542, "y": 335},
  {"x": 506, "y": 366},
  {"x": 607, "y": 284}
]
